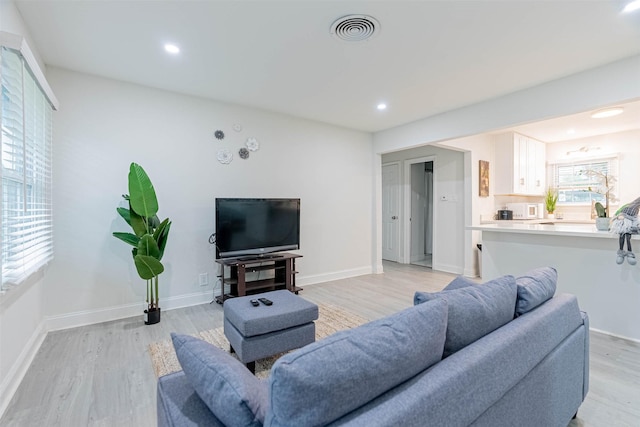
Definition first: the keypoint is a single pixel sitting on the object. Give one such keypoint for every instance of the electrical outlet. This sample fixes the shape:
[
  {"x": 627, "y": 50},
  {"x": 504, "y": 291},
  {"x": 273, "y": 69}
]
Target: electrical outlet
[{"x": 204, "y": 279}]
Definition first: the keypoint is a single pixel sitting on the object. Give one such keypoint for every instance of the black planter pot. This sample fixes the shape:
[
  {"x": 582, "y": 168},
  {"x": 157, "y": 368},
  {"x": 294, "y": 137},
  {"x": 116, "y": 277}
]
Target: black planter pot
[{"x": 151, "y": 317}]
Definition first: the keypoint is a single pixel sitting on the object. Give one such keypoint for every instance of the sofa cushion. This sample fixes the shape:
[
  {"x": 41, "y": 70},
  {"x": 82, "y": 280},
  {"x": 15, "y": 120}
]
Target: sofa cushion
[
  {"x": 534, "y": 288},
  {"x": 459, "y": 282},
  {"x": 225, "y": 385},
  {"x": 323, "y": 381},
  {"x": 475, "y": 311}
]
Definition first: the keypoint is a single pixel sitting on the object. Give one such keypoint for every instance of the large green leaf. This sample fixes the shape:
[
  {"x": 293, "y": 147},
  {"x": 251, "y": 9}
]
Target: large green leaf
[
  {"x": 141, "y": 192},
  {"x": 148, "y": 246},
  {"x": 138, "y": 223},
  {"x": 161, "y": 235},
  {"x": 154, "y": 222},
  {"x": 148, "y": 267},
  {"x": 129, "y": 238},
  {"x": 125, "y": 214}
]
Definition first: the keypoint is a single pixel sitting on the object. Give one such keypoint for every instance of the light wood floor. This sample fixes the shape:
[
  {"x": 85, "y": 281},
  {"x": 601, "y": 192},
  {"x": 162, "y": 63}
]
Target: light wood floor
[{"x": 101, "y": 375}]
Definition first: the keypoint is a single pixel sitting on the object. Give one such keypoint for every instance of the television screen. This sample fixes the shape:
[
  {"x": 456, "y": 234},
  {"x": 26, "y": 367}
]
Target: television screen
[{"x": 256, "y": 226}]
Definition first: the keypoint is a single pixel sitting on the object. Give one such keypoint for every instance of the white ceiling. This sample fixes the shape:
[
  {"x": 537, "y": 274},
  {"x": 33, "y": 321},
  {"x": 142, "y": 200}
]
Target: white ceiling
[{"x": 430, "y": 56}]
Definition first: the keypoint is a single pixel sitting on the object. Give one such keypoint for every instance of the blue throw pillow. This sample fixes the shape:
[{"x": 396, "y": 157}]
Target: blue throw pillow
[
  {"x": 534, "y": 288},
  {"x": 475, "y": 311},
  {"x": 326, "y": 380},
  {"x": 459, "y": 282},
  {"x": 232, "y": 393}
]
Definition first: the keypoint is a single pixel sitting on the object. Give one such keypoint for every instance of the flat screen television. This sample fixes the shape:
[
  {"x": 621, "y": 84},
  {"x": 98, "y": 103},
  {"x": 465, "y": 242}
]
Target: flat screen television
[{"x": 256, "y": 227}]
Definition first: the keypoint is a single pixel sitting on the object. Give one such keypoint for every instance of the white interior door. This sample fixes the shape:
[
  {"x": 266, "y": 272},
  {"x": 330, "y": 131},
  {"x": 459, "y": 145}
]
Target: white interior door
[{"x": 391, "y": 211}]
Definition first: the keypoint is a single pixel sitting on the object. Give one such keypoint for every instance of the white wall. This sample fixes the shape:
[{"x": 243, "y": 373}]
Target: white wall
[
  {"x": 613, "y": 83},
  {"x": 11, "y": 22},
  {"x": 479, "y": 147},
  {"x": 448, "y": 176},
  {"x": 103, "y": 125}
]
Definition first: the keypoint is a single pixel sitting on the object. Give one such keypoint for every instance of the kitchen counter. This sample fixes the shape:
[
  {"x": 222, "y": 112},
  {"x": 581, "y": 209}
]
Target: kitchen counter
[
  {"x": 585, "y": 259},
  {"x": 553, "y": 228},
  {"x": 538, "y": 221}
]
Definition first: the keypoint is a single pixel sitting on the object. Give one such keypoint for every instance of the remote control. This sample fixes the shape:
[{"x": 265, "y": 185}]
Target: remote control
[
  {"x": 255, "y": 303},
  {"x": 265, "y": 301}
]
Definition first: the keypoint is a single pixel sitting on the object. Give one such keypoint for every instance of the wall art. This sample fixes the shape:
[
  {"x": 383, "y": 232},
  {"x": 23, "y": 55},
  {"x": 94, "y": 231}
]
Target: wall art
[
  {"x": 225, "y": 156},
  {"x": 252, "y": 144},
  {"x": 484, "y": 178}
]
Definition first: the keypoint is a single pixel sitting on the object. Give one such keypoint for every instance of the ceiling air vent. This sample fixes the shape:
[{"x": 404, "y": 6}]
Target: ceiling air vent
[{"x": 355, "y": 28}]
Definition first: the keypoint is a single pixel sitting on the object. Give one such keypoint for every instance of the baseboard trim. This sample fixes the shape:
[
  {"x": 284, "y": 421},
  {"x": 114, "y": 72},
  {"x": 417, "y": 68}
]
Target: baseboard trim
[
  {"x": 454, "y": 269},
  {"x": 336, "y": 275},
  {"x": 378, "y": 269},
  {"x": 600, "y": 331},
  {"x": 107, "y": 314},
  {"x": 17, "y": 372},
  {"x": 90, "y": 317},
  {"x": 471, "y": 272}
]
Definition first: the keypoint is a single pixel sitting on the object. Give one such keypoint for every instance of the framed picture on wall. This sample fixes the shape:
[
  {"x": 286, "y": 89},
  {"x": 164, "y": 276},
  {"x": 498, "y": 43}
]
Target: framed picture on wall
[{"x": 484, "y": 178}]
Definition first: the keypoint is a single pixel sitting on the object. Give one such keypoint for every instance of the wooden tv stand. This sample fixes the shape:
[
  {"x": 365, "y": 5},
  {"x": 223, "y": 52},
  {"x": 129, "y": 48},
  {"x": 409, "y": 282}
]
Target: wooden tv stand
[{"x": 284, "y": 274}]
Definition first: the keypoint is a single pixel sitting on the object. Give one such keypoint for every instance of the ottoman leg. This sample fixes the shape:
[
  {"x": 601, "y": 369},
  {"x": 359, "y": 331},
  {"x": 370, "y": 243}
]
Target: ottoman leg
[
  {"x": 251, "y": 366},
  {"x": 231, "y": 350}
]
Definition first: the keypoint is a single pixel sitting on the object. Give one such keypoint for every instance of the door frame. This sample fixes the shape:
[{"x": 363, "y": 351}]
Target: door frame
[{"x": 406, "y": 215}]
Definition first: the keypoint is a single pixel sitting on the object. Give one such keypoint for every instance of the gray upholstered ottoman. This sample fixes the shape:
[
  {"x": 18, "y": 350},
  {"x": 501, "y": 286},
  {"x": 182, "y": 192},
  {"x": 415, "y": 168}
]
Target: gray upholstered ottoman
[{"x": 258, "y": 332}]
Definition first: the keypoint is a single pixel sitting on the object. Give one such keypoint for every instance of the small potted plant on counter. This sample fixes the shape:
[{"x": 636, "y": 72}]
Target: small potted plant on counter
[
  {"x": 602, "y": 220},
  {"x": 606, "y": 185},
  {"x": 550, "y": 201}
]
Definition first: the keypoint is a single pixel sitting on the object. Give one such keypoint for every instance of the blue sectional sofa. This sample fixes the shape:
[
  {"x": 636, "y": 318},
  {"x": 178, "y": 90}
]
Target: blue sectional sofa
[{"x": 507, "y": 352}]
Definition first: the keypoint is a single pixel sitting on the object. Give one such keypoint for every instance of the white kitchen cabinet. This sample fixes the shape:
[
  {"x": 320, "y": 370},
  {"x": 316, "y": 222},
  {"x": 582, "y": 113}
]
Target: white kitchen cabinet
[{"x": 520, "y": 165}]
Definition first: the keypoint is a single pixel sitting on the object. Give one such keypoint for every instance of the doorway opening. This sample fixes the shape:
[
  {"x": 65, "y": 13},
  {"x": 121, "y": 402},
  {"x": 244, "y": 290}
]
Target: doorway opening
[{"x": 421, "y": 220}]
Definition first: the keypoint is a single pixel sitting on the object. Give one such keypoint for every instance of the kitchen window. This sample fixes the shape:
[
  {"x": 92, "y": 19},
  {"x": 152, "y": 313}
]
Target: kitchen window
[
  {"x": 26, "y": 242},
  {"x": 576, "y": 187}
]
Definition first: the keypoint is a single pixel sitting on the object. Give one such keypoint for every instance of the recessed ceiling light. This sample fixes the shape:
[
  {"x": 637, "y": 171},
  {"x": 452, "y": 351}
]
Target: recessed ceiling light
[
  {"x": 172, "y": 48},
  {"x": 382, "y": 106},
  {"x": 630, "y": 7},
  {"x": 571, "y": 132},
  {"x": 607, "y": 112}
]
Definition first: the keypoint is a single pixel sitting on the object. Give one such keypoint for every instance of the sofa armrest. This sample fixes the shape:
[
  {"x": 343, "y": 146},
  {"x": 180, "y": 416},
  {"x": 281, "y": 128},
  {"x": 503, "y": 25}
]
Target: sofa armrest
[{"x": 179, "y": 405}]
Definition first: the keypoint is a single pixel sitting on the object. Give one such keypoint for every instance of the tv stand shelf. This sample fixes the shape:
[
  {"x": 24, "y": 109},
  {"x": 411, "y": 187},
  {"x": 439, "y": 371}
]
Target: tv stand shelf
[{"x": 282, "y": 265}]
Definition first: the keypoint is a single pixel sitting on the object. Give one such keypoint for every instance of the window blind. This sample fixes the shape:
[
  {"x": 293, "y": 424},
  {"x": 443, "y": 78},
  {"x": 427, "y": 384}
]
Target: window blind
[
  {"x": 577, "y": 187},
  {"x": 25, "y": 209}
]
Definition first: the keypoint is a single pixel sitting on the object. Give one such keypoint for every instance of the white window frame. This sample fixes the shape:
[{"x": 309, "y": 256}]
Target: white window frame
[
  {"x": 26, "y": 242},
  {"x": 582, "y": 183}
]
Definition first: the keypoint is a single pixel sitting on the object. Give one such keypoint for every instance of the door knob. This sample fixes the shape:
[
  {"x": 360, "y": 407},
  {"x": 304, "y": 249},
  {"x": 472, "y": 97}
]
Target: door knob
[{"x": 394, "y": 217}]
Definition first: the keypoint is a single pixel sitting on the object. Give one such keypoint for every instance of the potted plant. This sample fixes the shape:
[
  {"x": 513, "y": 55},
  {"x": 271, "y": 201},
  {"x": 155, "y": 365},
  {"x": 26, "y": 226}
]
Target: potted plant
[
  {"x": 606, "y": 184},
  {"x": 149, "y": 236},
  {"x": 602, "y": 220},
  {"x": 550, "y": 201}
]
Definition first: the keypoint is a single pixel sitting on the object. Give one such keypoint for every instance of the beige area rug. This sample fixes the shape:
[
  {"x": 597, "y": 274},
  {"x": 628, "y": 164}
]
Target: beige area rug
[{"x": 331, "y": 319}]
